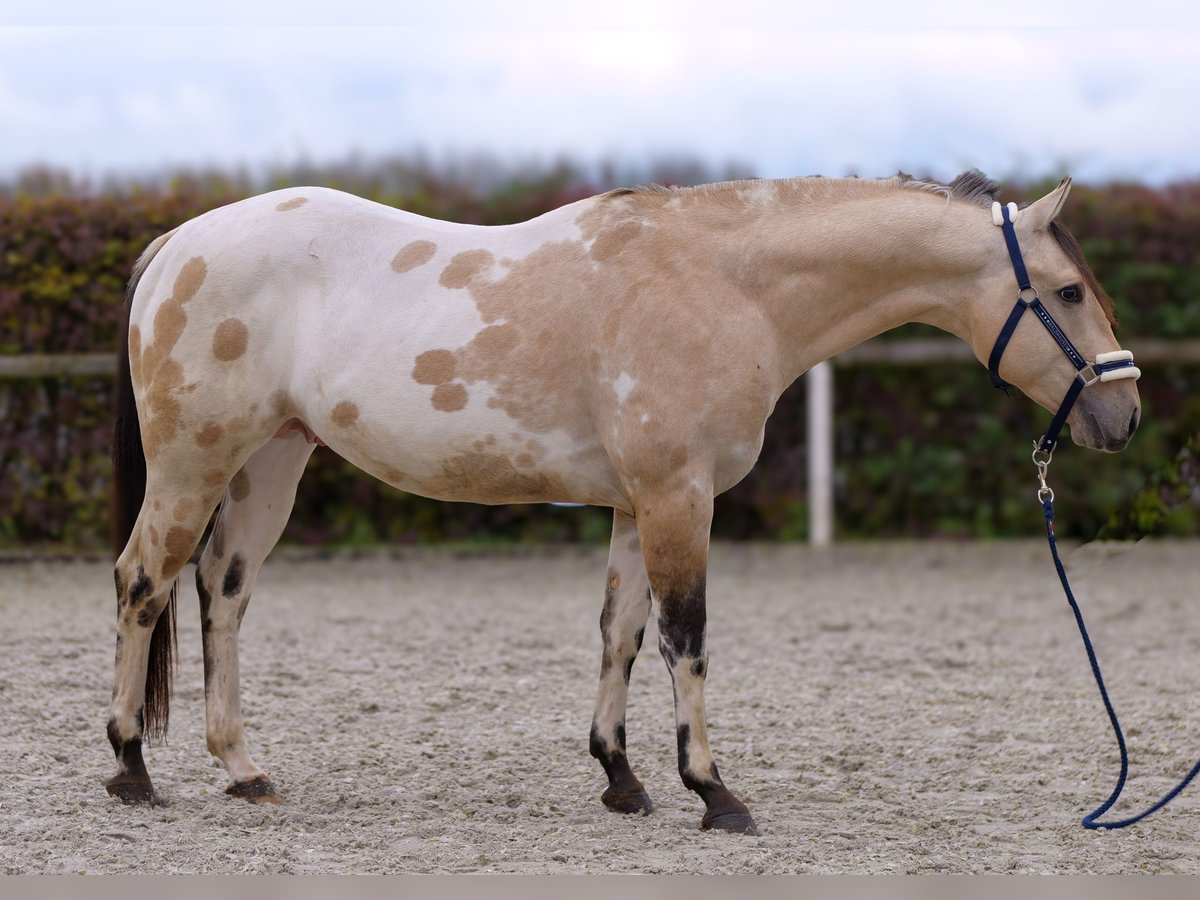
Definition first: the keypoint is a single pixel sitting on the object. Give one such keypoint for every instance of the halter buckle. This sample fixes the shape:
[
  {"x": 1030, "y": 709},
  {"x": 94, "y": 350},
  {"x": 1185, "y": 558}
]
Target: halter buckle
[
  {"x": 1041, "y": 459},
  {"x": 1029, "y": 290}
]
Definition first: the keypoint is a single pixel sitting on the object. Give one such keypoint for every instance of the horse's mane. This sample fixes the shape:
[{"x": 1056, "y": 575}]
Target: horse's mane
[{"x": 972, "y": 186}]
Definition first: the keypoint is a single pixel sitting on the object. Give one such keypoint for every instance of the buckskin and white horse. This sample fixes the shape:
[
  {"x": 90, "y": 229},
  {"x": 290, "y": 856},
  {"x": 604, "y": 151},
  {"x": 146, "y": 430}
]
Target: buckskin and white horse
[{"x": 625, "y": 351}]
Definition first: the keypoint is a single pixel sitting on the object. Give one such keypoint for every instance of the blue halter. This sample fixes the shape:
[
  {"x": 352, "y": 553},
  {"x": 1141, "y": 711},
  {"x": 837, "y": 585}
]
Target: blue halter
[{"x": 1107, "y": 367}]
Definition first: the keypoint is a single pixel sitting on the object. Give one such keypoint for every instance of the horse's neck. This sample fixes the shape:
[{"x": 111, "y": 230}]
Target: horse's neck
[{"x": 835, "y": 263}]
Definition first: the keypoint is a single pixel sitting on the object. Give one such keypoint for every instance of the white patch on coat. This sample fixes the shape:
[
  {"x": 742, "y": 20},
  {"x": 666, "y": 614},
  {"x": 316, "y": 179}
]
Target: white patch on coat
[{"x": 623, "y": 386}]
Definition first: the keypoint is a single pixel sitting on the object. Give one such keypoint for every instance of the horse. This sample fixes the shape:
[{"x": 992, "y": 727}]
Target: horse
[{"x": 624, "y": 350}]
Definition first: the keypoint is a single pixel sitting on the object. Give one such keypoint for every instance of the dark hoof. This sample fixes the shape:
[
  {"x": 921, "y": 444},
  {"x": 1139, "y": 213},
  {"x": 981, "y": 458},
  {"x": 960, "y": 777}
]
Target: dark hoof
[
  {"x": 132, "y": 791},
  {"x": 735, "y": 822},
  {"x": 256, "y": 790},
  {"x": 628, "y": 801}
]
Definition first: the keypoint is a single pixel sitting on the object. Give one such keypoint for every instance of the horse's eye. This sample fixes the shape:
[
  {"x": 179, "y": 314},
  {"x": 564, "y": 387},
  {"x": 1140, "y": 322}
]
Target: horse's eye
[{"x": 1072, "y": 293}]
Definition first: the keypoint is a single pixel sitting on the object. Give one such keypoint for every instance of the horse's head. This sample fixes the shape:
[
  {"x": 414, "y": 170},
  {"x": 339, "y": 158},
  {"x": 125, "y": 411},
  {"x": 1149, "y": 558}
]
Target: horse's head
[{"x": 1106, "y": 413}]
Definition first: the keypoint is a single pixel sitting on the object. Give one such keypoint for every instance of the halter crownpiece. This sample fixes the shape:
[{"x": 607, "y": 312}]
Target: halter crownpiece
[
  {"x": 1110, "y": 366},
  {"x": 998, "y": 216}
]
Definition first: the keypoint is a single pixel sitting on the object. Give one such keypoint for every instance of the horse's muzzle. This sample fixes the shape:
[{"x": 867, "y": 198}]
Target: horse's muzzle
[{"x": 1100, "y": 428}]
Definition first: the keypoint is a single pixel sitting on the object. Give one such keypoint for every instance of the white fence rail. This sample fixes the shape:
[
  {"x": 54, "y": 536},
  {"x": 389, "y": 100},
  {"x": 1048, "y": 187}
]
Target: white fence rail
[{"x": 819, "y": 385}]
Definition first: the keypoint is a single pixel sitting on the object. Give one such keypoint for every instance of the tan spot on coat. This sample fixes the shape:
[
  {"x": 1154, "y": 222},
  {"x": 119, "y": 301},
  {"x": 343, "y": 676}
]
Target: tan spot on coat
[
  {"x": 189, "y": 279},
  {"x": 491, "y": 478},
  {"x": 412, "y": 255},
  {"x": 239, "y": 487},
  {"x": 215, "y": 478},
  {"x": 524, "y": 460},
  {"x": 160, "y": 375},
  {"x": 434, "y": 367},
  {"x": 449, "y": 397},
  {"x": 209, "y": 435},
  {"x": 154, "y": 536},
  {"x": 229, "y": 340},
  {"x": 294, "y": 203},
  {"x": 183, "y": 509},
  {"x": 495, "y": 342},
  {"x": 135, "y": 355},
  {"x": 464, "y": 267},
  {"x": 179, "y": 545},
  {"x": 345, "y": 414}
]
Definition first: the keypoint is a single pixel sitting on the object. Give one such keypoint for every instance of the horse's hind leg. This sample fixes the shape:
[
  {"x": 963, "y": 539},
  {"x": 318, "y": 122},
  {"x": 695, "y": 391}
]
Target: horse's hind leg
[
  {"x": 674, "y": 527},
  {"x": 622, "y": 624},
  {"x": 252, "y": 517},
  {"x": 168, "y": 528}
]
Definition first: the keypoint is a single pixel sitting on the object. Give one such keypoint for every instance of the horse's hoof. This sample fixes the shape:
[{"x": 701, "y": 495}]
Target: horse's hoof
[
  {"x": 132, "y": 791},
  {"x": 256, "y": 790},
  {"x": 734, "y": 822},
  {"x": 628, "y": 801}
]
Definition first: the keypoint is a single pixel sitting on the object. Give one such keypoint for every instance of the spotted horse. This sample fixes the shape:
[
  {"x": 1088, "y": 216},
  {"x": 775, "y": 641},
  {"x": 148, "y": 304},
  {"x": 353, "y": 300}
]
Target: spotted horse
[{"x": 624, "y": 351}]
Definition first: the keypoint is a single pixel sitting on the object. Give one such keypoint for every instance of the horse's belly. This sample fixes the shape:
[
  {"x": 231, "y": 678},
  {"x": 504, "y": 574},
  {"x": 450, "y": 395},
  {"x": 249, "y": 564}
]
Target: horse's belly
[{"x": 493, "y": 462}]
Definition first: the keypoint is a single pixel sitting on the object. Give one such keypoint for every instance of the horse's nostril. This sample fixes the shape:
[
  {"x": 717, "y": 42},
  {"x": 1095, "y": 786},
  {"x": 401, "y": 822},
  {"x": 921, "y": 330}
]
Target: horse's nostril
[{"x": 1133, "y": 422}]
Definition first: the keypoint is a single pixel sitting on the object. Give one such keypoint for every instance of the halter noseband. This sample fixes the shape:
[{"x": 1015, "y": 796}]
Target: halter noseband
[{"x": 1107, "y": 367}]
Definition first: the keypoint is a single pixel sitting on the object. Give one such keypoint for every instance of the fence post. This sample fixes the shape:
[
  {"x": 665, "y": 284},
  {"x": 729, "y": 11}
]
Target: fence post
[{"x": 819, "y": 386}]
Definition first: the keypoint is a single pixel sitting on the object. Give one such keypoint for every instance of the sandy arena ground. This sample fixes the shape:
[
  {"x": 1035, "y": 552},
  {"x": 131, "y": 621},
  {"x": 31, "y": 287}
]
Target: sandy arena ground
[{"x": 881, "y": 708}]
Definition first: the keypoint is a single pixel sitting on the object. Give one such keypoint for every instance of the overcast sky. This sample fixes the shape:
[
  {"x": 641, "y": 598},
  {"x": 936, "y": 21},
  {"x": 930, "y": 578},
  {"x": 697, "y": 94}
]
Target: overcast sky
[{"x": 1091, "y": 89}]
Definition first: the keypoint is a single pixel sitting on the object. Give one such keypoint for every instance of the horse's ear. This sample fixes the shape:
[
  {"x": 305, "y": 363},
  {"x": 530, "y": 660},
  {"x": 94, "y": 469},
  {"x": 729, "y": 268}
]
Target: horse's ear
[{"x": 1039, "y": 214}]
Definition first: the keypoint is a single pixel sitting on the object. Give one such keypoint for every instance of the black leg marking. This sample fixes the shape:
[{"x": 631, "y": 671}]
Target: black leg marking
[
  {"x": 637, "y": 638},
  {"x": 682, "y": 620},
  {"x": 722, "y": 810},
  {"x": 132, "y": 782},
  {"x": 606, "y": 617},
  {"x": 205, "y": 625},
  {"x": 624, "y": 793},
  {"x": 628, "y": 668},
  {"x": 700, "y": 667},
  {"x": 146, "y": 617},
  {"x": 256, "y": 790},
  {"x": 114, "y": 738},
  {"x": 205, "y": 602},
  {"x": 683, "y": 735},
  {"x": 234, "y": 576},
  {"x": 142, "y": 588}
]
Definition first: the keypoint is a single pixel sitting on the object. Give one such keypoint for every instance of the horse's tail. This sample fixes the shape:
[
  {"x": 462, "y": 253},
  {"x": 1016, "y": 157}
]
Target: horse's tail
[{"x": 129, "y": 490}]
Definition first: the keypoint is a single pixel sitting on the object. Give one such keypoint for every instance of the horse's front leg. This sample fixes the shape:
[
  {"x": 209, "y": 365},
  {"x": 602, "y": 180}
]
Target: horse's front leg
[
  {"x": 674, "y": 529},
  {"x": 622, "y": 624}
]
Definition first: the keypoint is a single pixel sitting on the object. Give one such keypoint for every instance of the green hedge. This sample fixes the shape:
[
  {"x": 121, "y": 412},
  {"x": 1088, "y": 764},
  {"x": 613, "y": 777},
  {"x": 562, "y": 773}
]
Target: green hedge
[{"x": 921, "y": 451}]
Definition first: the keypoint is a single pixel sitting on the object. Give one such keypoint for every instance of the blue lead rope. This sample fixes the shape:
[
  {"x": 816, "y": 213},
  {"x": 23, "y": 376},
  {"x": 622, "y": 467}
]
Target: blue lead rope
[
  {"x": 1108, "y": 366},
  {"x": 1089, "y": 821}
]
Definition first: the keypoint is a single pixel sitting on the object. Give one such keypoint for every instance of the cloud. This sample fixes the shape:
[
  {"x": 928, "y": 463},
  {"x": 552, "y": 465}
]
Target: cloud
[{"x": 786, "y": 100}]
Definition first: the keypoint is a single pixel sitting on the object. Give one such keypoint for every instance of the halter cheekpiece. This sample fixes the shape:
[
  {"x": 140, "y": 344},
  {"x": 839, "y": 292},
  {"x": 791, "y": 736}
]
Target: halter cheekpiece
[{"x": 1107, "y": 367}]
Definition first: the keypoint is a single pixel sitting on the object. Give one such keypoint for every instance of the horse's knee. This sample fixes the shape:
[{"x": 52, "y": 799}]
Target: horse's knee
[{"x": 682, "y": 620}]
